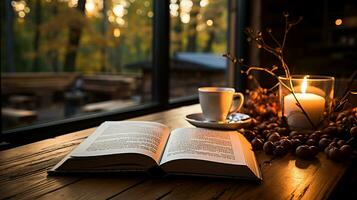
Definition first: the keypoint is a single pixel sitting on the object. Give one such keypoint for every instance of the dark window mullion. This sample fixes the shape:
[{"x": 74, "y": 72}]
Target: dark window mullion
[
  {"x": 238, "y": 21},
  {"x": 161, "y": 49}
]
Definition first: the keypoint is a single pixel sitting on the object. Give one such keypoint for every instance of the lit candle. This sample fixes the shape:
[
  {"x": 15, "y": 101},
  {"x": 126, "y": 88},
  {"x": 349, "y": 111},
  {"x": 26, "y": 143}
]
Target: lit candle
[{"x": 313, "y": 105}]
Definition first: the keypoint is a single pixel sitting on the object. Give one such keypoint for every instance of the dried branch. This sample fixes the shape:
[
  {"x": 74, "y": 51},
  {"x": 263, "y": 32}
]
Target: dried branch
[
  {"x": 275, "y": 86},
  {"x": 286, "y": 15},
  {"x": 257, "y": 37},
  {"x": 340, "y": 103},
  {"x": 256, "y": 68},
  {"x": 273, "y": 37}
]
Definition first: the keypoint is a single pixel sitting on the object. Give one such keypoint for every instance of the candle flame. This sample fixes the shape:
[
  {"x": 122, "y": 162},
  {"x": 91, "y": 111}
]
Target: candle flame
[{"x": 304, "y": 85}]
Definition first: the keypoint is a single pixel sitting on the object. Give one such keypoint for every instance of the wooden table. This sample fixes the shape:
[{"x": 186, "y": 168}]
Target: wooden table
[{"x": 23, "y": 174}]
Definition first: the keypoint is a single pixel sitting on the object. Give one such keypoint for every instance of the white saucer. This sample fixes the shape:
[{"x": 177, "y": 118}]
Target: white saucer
[{"x": 234, "y": 121}]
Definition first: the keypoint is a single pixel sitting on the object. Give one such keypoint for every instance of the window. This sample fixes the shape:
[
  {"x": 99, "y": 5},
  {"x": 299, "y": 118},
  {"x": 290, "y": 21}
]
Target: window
[
  {"x": 323, "y": 43},
  {"x": 71, "y": 58},
  {"x": 72, "y": 64},
  {"x": 198, "y": 30}
]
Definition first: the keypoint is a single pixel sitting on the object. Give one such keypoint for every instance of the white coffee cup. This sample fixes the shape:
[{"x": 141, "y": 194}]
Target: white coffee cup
[{"x": 218, "y": 102}]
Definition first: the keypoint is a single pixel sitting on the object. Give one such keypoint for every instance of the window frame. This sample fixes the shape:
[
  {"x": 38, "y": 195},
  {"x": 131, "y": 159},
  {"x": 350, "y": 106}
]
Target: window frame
[{"x": 237, "y": 20}]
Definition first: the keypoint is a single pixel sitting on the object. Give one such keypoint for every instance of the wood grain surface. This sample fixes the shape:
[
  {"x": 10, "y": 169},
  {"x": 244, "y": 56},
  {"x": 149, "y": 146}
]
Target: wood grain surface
[{"x": 23, "y": 174}]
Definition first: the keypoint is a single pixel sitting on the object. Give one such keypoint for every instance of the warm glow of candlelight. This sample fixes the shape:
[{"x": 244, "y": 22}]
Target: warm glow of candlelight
[
  {"x": 312, "y": 103},
  {"x": 304, "y": 85}
]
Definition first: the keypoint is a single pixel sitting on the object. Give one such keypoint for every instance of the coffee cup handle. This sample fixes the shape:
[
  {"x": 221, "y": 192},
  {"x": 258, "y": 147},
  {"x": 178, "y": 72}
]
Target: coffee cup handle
[{"x": 236, "y": 106}]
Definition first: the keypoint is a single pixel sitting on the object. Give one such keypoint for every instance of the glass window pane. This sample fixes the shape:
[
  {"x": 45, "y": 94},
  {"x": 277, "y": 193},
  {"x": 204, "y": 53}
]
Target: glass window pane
[
  {"x": 323, "y": 43},
  {"x": 73, "y": 58},
  {"x": 198, "y": 39}
]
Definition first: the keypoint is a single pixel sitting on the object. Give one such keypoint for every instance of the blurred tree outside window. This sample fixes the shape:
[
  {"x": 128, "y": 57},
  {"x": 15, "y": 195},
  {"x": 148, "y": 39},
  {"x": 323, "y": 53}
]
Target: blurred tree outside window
[
  {"x": 69, "y": 58},
  {"x": 198, "y": 38},
  {"x": 46, "y": 32}
]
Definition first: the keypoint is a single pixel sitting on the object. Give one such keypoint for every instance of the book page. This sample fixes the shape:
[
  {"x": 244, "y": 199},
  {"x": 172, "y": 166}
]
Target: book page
[
  {"x": 204, "y": 144},
  {"x": 148, "y": 138}
]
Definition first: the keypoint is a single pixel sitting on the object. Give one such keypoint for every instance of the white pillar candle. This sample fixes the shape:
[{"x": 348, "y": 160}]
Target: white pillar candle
[{"x": 314, "y": 106}]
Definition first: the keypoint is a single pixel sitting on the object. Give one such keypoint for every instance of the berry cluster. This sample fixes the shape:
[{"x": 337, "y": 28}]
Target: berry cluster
[
  {"x": 261, "y": 104},
  {"x": 271, "y": 134}
]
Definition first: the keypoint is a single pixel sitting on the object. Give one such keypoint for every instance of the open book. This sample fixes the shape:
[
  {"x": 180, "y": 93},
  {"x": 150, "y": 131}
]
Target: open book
[{"x": 141, "y": 146}]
